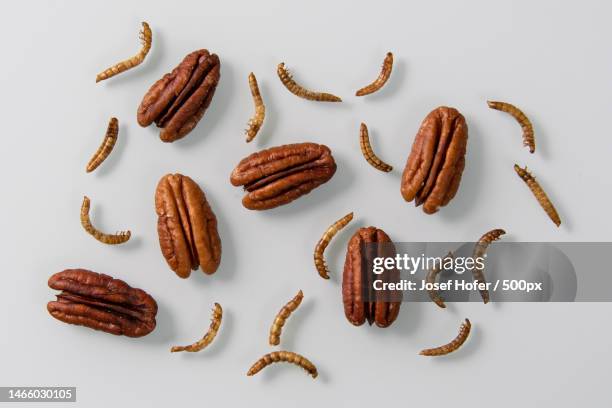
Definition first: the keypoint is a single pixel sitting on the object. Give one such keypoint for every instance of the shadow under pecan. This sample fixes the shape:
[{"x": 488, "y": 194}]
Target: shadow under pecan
[
  {"x": 433, "y": 169},
  {"x": 281, "y": 174},
  {"x": 177, "y": 102},
  {"x": 361, "y": 302},
  {"x": 187, "y": 226},
  {"x": 102, "y": 303}
]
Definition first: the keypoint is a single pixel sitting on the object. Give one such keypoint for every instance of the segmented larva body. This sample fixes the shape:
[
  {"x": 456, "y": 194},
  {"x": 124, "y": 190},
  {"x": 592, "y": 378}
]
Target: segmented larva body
[
  {"x": 108, "y": 143},
  {"x": 111, "y": 239},
  {"x": 383, "y": 77},
  {"x": 258, "y": 117},
  {"x": 215, "y": 323},
  {"x": 539, "y": 193},
  {"x": 368, "y": 153},
  {"x": 294, "y": 88},
  {"x": 480, "y": 249},
  {"x": 286, "y": 357},
  {"x": 464, "y": 332},
  {"x": 521, "y": 118},
  {"x": 282, "y": 316},
  {"x": 431, "y": 279},
  {"x": 146, "y": 37},
  {"x": 333, "y": 229}
]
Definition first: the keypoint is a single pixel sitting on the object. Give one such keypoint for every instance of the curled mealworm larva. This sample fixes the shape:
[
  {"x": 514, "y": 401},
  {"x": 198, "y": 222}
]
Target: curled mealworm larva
[
  {"x": 383, "y": 77},
  {"x": 111, "y": 239},
  {"x": 368, "y": 153},
  {"x": 281, "y": 317},
  {"x": 333, "y": 229},
  {"x": 479, "y": 252},
  {"x": 294, "y": 88},
  {"x": 521, "y": 118},
  {"x": 208, "y": 338},
  {"x": 258, "y": 117},
  {"x": 464, "y": 332},
  {"x": 112, "y": 131},
  {"x": 283, "y": 356},
  {"x": 539, "y": 193},
  {"x": 146, "y": 37},
  {"x": 431, "y": 279}
]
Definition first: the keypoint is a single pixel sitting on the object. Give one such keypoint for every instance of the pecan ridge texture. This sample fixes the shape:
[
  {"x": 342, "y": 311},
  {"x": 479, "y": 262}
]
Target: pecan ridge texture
[
  {"x": 187, "y": 226},
  {"x": 361, "y": 303},
  {"x": 281, "y": 174},
  {"x": 102, "y": 303},
  {"x": 177, "y": 102},
  {"x": 435, "y": 164}
]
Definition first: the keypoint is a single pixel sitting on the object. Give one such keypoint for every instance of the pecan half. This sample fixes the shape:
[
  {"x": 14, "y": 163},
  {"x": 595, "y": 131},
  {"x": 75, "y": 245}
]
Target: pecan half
[
  {"x": 177, "y": 102},
  {"x": 361, "y": 302},
  {"x": 279, "y": 175},
  {"x": 187, "y": 226},
  {"x": 102, "y": 303},
  {"x": 433, "y": 170}
]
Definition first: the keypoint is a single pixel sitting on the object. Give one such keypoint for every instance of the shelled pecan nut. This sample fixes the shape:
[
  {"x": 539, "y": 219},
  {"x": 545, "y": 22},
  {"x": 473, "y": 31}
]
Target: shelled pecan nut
[
  {"x": 102, "y": 303},
  {"x": 187, "y": 226},
  {"x": 281, "y": 174},
  {"x": 177, "y": 101},
  {"x": 433, "y": 170},
  {"x": 361, "y": 301}
]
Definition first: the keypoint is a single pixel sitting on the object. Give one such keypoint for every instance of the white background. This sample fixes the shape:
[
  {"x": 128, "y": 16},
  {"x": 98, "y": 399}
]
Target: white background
[{"x": 550, "y": 58}]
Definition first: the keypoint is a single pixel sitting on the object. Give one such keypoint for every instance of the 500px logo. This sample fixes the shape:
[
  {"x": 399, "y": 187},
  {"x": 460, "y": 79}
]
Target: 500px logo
[{"x": 412, "y": 264}]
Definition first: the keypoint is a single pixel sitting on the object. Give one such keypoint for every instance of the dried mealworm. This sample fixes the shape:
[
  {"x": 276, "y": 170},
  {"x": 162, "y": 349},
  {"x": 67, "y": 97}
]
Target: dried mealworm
[
  {"x": 111, "y": 239},
  {"x": 287, "y": 80},
  {"x": 257, "y": 119},
  {"x": 284, "y": 356},
  {"x": 430, "y": 279},
  {"x": 368, "y": 153},
  {"x": 146, "y": 37},
  {"x": 480, "y": 250},
  {"x": 215, "y": 323},
  {"x": 539, "y": 194},
  {"x": 464, "y": 332},
  {"x": 112, "y": 131},
  {"x": 383, "y": 77},
  {"x": 521, "y": 118},
  {"x": 281, "y": 318},
  {"x": 333, "y": 229}
]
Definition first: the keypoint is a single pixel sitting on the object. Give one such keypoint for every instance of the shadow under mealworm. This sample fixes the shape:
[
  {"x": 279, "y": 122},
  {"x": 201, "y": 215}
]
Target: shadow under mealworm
[
  {"x": 220, "y": 342},
  {"x": 275, "y": 370},
  {"x": 114, "y": 157},
  {"x": 289, "y": 333},
  {"x": 373, "y": 134},
  {"x": 393, "y": 85},
  {"x": 558, "y": 204},
  {"x": 96, "y": 217},
  {"x": 148, "y": 66},
  {"x": 132, "y": 244},
  {"x": 467, "y": 350},
  {"x": 471, "y": 180},
  {"x": 335, "y": 252},
  {"x": 540, "y": 139},
  {"x": 219, "y": 105},
  {"x": 271, "y": 120}
]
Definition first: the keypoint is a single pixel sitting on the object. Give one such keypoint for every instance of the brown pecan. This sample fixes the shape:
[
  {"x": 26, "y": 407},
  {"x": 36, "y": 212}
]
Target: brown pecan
[
  {"x": 279, "y": 175},
  {"x": 177, "y": 102},
  {"x": 102, "y": 303},
  {"x": 433, "y": 170},
  {"x": 361, "y": 301},
  {"x": 187, "y": 226}
]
